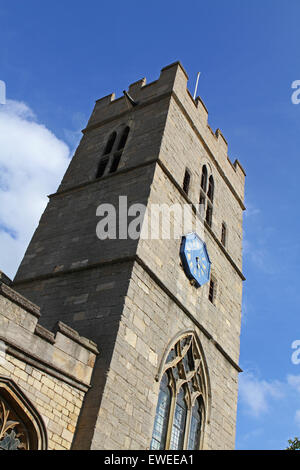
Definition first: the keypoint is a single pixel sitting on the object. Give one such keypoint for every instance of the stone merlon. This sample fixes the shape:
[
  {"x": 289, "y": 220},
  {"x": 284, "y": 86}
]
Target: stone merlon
[
  {"x": 62, "y": 353},
  {"x": 173, "y": 82}
]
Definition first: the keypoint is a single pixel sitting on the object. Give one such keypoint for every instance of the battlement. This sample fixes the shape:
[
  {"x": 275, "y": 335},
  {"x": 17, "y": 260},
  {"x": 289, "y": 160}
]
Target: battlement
[
  {"x": 62, "y": 352},
  {"x": 110, "y": 107},
  {"x": 172, "y": 82}
]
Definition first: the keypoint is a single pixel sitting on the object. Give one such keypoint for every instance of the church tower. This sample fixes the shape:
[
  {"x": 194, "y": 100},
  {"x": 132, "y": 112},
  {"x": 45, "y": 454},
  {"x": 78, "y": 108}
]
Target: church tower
[{"x": 165, "y": 311}]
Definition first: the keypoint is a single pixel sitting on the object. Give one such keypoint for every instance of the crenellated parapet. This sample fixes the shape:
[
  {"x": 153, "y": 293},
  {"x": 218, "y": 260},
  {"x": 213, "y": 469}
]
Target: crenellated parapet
[
  {"x": 62, "y": 353},
  {"x": 173, "y": 82}
]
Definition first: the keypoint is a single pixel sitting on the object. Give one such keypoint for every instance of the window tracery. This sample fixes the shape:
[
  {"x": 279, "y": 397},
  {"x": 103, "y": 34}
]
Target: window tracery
[{"x": 183, "y": 396}]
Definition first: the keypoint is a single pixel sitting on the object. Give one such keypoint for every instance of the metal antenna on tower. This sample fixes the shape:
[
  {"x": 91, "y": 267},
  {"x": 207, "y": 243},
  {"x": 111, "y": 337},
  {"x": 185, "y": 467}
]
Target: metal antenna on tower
[{"x": 198, "y": 75}]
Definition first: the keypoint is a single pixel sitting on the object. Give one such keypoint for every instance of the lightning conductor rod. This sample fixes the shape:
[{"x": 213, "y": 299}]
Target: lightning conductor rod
[{"x": 197, "y": 81}]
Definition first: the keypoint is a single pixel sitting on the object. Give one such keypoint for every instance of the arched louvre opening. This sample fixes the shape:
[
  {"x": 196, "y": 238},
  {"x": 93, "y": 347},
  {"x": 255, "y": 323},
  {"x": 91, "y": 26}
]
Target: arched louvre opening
[
  {"x": 111, "y": 157},
  {"x": 184, "y": 377},
  {"x": 186, "y": 182},
  {"x": 206, "y": 198},
  {"x": 204, "y": 178},
  {"x": 211, "y": 189},
  {"x": 223, "y": 234},
  {"x": 110, "y": 143},
  {"x": 118, "y": 154},
  {"x": 209, "y": 212},
  {"x": 102, "y": 166},
  {"x": 123, "y": 138},
  {"x": 212, "y": 289},
  {"x": 115, "y": 162}
]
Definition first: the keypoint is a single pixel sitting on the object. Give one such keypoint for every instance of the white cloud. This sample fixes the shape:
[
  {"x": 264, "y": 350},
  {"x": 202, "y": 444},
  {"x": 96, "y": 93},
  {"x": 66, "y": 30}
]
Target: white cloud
[
  {"x": 294, "y": 381},
  {"x": 251, "y": 210},
  {"x": 297, "y": 417},
  {"x": 32, "y": 163},
  {"x": 256, "y": 394}
]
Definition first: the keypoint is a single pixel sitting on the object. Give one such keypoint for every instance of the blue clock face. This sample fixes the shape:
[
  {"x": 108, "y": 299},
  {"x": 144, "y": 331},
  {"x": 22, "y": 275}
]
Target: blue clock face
[{"x": 195, "y": 259}]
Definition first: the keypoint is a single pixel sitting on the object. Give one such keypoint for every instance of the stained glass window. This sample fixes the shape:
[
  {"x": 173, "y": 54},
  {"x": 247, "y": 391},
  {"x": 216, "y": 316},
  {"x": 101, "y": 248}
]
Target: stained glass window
[
  {"x": 195, "y": 427},
  {"x": 21, "y": 427},
  {"x": 188, "y": 361},
  {"x": 184, "y": 381},
  {"x": 162, "y": 415},
  {"x": 177, "y": 435}
]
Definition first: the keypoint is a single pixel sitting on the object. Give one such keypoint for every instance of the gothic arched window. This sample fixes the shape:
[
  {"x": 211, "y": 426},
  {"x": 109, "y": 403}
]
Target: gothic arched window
[
  {"x": 111, "y": 157},
  {"x": 223, "y": 234},
  {"x": 110, "y": 143},
  {"x": 162, "y": 415},
  {"x": 123, "y": 139},
  {"x": 102, "y": 166},
  {"x": 106, "y": 155},
  {"x": 195, "y": 426},
  {"x": 206, "y": 196},
  {"x": 211, "y": 189},
  {"x": 179, "y": 422},
  {"x": 21, "y": 427},
  {"x": 183, "y": 397},
  {"x": 204, "y": 178},
  {"x": 186, "y": 182},
  {"x": 117, "y": 156}
]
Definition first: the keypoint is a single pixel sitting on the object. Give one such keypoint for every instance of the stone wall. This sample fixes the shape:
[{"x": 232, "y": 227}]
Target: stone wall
[
  {"x": 53, "y": 370},
  {"x": 149, "y": 322}
]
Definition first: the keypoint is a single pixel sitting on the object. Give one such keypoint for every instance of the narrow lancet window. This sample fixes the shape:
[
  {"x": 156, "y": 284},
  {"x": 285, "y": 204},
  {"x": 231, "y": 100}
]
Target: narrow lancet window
[
  {"x": 186, "y": 182},
  {"x": 178, "y": 429},
  {"x": 211, "y": 292},
  {"x": 110, "y": 143},
  {"x": 195, "y": 427},
  {"x": 204, "y": 178},
  {"x": 162, "y": 416},
  {"x": 102, "y": 167},
  {"x": 223, "y": 234},
  {"x": 211, "y": 189}
]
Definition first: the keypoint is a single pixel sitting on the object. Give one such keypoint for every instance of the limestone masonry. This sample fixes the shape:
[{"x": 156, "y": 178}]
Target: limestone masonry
[{"x": 166, "y": 376}]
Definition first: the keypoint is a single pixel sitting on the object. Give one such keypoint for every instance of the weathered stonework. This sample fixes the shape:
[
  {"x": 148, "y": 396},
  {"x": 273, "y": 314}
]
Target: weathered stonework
[
  {"x": 132, "y": 297},
  {"x": 52, "y": 370}
]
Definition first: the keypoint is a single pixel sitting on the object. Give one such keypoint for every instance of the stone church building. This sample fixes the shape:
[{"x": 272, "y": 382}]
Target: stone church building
[{"x": 130, "y": 342}]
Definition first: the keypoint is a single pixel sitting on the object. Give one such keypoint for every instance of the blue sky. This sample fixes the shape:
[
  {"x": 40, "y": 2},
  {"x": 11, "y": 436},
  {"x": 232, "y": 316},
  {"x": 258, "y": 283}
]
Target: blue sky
[{"x": 58, "y": 57}]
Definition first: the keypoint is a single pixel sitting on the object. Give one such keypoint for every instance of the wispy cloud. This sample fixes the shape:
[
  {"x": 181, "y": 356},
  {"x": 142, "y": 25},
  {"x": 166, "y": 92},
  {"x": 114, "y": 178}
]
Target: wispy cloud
[
  {"x": 294, "y": 381},
  {"x": 297, "y": 417},
  {"x": 256, "y": 395},
  {"x": 32, "y": 161},
  {"x": 73, "y": 136},
  {"x": 251, "y": 434},
  {"x": 251, "y": 210}
]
